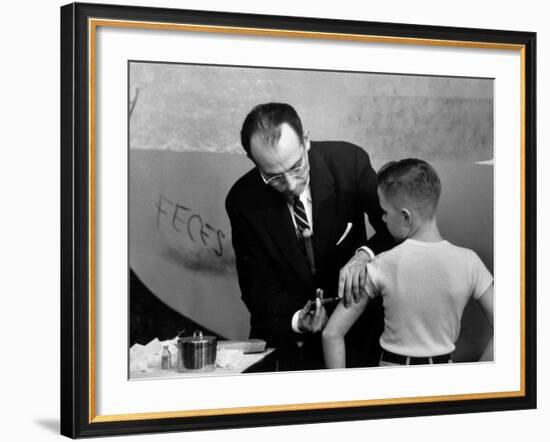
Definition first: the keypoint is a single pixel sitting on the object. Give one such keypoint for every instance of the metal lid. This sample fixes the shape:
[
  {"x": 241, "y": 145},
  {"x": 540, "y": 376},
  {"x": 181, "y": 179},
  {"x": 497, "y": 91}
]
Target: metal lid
[{"x": 197, "y": 338}]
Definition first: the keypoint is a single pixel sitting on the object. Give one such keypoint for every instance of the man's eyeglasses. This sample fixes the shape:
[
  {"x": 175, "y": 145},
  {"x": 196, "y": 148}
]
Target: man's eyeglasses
[{"x": 279, "y": 180}]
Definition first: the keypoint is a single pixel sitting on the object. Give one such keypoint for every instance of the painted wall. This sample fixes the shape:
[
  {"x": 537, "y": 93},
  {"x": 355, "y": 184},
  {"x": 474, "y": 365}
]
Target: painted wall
[{"x": 186, "y": 154}]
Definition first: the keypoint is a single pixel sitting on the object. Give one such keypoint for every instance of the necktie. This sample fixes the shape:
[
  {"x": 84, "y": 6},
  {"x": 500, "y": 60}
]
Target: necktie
[
  {"x": 302, "y": 224},
  {"x": 300, "y": 216}
]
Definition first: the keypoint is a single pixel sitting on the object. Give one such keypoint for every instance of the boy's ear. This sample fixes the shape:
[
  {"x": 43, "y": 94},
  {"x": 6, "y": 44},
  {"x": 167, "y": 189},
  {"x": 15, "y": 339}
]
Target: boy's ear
[{"x": 407, "y": 217}]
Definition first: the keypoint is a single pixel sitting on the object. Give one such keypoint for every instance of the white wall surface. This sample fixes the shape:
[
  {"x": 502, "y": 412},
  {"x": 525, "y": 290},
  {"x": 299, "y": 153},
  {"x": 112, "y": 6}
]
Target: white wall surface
[{"x": 29, "y": 224}]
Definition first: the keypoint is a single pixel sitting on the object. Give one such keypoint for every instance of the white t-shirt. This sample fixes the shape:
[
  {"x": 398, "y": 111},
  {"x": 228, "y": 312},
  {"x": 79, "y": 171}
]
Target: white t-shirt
[{"x": 424, "y": 288}]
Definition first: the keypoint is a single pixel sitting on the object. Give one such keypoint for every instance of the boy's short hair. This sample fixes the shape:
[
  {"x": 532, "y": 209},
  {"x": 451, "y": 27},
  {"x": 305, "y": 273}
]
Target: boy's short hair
[{"x": 414, "y": 179}]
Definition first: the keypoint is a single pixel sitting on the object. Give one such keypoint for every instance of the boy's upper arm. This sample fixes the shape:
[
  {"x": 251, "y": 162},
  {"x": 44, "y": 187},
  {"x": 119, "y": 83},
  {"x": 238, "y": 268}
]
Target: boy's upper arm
[
  {"x": 481, "y": 277},
  {"x": 344, "y": 317},
  {"x": 371, "y": 285},
  {"x": 486, "y": 301}
]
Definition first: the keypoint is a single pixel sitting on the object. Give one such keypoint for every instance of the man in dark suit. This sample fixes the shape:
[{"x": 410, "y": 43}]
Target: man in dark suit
[{"x": 297, "y": 188}]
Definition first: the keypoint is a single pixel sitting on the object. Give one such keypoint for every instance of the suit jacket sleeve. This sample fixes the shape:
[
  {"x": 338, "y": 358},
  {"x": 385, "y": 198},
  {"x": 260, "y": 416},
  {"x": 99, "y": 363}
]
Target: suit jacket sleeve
[
  {"x": 367, "y": 189},
  {"x": 270, "y": 305}
]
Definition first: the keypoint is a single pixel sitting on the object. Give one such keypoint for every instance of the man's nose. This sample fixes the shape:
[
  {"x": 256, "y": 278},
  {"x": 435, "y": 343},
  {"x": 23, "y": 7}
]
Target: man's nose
[{"x": 290, "y": 182}]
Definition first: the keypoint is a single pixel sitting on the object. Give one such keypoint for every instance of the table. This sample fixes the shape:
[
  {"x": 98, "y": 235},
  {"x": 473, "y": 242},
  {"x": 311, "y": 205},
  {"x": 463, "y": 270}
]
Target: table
[{"x": 247, "y": 363}]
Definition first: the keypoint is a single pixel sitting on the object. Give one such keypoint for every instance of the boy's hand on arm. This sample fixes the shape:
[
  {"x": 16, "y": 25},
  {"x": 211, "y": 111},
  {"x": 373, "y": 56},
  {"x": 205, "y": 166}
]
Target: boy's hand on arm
[
  {"x": 353, "y": 277},
  {"x": 487, "y": 354}
]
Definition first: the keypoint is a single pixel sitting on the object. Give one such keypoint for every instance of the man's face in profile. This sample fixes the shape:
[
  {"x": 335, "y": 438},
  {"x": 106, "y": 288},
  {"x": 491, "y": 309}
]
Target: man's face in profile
[{"x": 283, "y": 164}]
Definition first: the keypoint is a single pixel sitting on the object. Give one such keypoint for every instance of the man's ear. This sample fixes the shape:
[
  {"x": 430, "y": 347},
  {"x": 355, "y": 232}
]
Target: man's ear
[
  {"x": 407, "y": 217},
  {"x": 306, "y": 140},
  {"x": 251, "y": 158}
]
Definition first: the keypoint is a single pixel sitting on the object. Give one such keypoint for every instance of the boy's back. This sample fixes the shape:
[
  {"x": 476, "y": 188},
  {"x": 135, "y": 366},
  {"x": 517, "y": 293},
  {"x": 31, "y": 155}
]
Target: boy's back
[
  {"x": 425, "y": 287},
  {"x": 425, "y": 282}
]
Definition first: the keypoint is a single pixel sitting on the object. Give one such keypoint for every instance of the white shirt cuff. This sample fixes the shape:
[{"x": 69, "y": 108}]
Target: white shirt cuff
[
  {"x": 295, "y": 322},
  {"x": 367, "y": 250}
]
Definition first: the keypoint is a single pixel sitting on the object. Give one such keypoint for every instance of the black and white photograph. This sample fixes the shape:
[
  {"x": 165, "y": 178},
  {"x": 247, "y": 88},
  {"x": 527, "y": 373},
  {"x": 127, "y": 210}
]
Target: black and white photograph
[
  {"x": 299, "y": 219},
  {"x": 275, "y": 221},
  {"x": 279, "y": 221}
]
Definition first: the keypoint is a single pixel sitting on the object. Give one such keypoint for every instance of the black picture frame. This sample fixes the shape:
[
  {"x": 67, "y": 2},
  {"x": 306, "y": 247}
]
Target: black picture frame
[{"x": 77, "y": 251}]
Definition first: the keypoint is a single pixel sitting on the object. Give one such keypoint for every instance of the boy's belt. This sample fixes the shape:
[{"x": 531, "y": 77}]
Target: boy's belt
[{"x": 388, "y": 356}]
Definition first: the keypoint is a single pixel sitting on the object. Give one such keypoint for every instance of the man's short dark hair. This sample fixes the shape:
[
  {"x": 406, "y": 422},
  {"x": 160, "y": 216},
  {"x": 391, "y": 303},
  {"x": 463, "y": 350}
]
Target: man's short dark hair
[
  {"x": 267, "y": 119},
  {"x": 414, "y": 179}
]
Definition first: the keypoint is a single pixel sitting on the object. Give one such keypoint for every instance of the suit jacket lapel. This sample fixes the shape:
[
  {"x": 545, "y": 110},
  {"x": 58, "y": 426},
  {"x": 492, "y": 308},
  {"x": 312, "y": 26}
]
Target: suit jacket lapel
[{"x": 324, "y": 205}]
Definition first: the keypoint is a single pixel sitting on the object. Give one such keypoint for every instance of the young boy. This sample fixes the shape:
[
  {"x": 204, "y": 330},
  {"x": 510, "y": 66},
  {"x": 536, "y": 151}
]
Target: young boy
[{"x": 425, "y": 281}]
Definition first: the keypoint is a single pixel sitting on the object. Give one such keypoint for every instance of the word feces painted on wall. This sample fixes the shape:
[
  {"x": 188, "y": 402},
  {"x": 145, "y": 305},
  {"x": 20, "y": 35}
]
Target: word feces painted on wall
[{"x": 184, "y": 220}]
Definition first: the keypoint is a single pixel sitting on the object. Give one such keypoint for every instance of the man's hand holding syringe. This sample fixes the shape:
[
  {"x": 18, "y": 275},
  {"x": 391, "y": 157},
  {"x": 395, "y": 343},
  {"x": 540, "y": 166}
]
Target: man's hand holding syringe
[{"x": 313, "y": 317}]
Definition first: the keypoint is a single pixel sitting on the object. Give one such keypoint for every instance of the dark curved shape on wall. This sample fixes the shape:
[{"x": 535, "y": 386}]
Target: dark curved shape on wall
[{"x": 151, "y": 318}]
